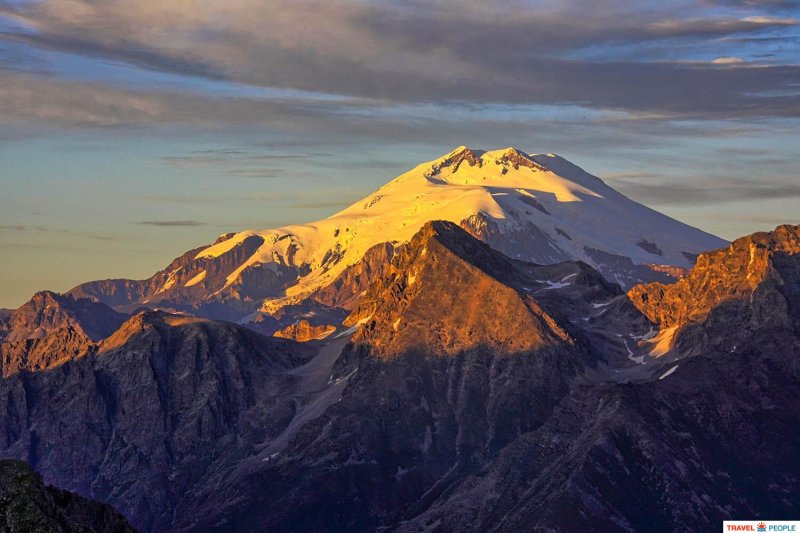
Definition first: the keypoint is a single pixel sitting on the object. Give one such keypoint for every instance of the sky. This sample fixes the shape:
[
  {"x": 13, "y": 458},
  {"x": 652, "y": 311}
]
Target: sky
[{"x": 131, "y": 132}]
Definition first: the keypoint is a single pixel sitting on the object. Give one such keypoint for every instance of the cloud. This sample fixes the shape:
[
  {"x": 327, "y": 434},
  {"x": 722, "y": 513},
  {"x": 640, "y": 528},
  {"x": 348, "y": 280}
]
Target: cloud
[
  {"x": 254, "y": 172},
  {"x": 21, "y": 227},
  {"x": 761, "y": 4},
  {"x": 709, "y": 191},
  {"x": 611, "y": 176},
  {"x": 728, "y": 61},
  {"x": 215, "y": 157},
  {"x": 171, "y": 223},
  {"x": 415, "y": 52}
]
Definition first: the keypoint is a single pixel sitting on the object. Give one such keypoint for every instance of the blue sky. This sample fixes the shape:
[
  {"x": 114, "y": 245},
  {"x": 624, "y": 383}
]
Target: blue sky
[{"x": 131, "y": 132}]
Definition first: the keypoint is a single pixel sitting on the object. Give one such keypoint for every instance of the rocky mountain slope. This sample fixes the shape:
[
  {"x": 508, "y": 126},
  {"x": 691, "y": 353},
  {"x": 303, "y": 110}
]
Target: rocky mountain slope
[
  {"x": 537, "y": 208},
  {"x": 753, "y": 285},
  {"x": 50, "y": 329},
  {"x": 163, "y": 405},
  {"x": 497, "y": 431},
  {"x": 28, "y": 506},
  {"x": 466, "y": 391}
]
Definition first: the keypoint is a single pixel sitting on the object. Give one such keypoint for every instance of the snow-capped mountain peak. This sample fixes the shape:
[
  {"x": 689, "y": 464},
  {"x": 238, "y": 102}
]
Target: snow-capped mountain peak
[
  {"x": 539, "y": 208},
  {"x": 546, "y": 208}
]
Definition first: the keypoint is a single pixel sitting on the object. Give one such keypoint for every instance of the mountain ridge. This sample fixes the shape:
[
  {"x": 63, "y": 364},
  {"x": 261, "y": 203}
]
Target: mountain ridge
[
  {"x": 750, "y": 285},
  {"x": 538, "y": 208},
  {"x": 51, "y": 328},
  {"x": 27, "y": 506},
  {"x": 537, "y": 414}
]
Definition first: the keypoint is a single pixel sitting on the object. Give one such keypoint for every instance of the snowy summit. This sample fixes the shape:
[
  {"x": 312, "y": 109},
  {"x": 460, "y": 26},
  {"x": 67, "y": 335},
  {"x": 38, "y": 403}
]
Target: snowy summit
[{"x": 539, "y": 208}]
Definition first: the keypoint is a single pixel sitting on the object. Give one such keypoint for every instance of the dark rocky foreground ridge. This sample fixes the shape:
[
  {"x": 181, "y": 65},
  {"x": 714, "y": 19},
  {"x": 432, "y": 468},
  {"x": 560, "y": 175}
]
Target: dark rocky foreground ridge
[
  {"x": 28, "y": 506},
  {"x": 471, "y": 392}
]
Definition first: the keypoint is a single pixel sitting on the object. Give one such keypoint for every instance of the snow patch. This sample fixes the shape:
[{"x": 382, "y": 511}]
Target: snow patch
[
  {"x": 197, "y": 279},
  {"x": 638, "y": 360},
  {"x": 353, "y": 329},
  {"x": 171, "y": 279},
  {"x": 669, "y": 372},
  {"x": 556, "y": 284}
]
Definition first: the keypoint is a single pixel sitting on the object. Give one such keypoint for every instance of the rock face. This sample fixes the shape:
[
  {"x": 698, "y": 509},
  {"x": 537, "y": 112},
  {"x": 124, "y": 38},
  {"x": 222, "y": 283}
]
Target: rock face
[
  {"x": 51, "y": 329},
  {"x": 471, "y": 392},
  {"x": 346, "y": 290},
  {"x": 476, "y": 429},
  {"x": 731, "y": 294},
  {"x": 446, "y": 293},
  {"x": 165, "y": 404},
  {"x": 303, "y": 331},
  {"x": 28, "y": 506}
]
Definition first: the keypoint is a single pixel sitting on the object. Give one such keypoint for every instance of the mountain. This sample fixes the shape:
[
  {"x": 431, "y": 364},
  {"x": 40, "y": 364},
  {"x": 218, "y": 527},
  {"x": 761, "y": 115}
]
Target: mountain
[
  {"x": 537, "y": 208},
  {"x": 476, "y": 398},
  {"x": 392, "y": 419},
  {"x": 732, "y": 294},
  {"x": 446, "y": 293},
  {"x": 466, "y": 390},
  {"x": 154, "y": 415},
  {"x": 675, "y": 447},
  {"x": 50, "y": 329},
  {"x": 28, "y": 506}
]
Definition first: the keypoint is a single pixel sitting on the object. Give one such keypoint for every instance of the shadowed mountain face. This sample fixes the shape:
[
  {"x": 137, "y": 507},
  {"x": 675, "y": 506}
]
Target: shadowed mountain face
[
  {"x": 164, "y": 405},
  {"x": 471, "y": 392},
  {"x": 28, "y": 506}
]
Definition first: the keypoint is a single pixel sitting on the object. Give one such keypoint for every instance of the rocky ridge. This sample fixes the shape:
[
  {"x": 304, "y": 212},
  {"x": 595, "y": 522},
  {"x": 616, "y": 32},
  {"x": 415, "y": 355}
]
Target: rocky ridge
[
  {"x": 531, "y": 411},
  {"x": 51, "y": 329},
  {"x": 28, "y": 506},
  {"x": 732, "y": 293}
]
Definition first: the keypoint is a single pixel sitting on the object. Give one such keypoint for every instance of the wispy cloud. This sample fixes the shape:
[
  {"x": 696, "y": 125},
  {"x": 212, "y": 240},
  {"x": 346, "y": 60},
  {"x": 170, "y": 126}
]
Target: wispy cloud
[
  {"x": 709, "y": 191},
  {"x": 21, "y": 227},
  {"x": 267, "y": 173},
  {"x": 171, "y": 223}
]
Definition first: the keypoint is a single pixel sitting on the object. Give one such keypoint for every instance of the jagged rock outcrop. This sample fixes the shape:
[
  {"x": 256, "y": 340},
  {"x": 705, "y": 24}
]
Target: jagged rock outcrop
[
  {"x": 303, "y": 331},
  {"x": 28, "y": 506},
  {"x": 752, "y": 285},
  {"x": 347, "y": 289},
  {"x": 317, "y": 315},
  {"x": 50, "y": 329},
  {"x": 446, "y": 293}
]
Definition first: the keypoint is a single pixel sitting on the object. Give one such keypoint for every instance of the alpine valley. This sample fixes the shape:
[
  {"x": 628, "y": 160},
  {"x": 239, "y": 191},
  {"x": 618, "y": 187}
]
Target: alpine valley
[{"x": 492, "y": 341}]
